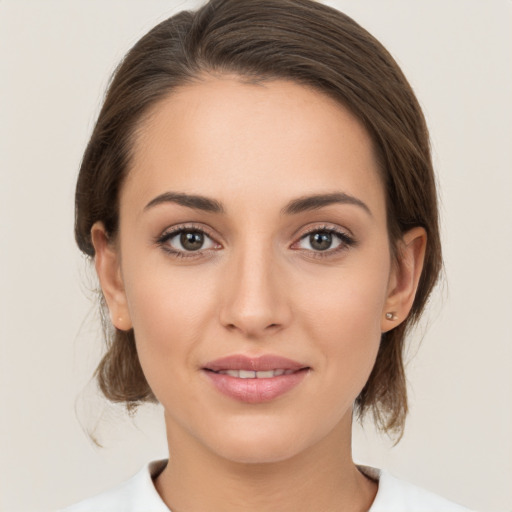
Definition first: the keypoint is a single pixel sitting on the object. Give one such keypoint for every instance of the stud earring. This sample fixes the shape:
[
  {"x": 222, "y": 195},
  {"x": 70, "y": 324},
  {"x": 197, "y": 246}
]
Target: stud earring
[
  {"x": 390, "y": 316},
  {"x": 119, "y": 319}
]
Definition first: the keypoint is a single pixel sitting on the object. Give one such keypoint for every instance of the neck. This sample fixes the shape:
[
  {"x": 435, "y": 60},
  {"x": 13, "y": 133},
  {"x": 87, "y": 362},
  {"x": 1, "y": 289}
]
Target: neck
[{"x": 322, "y": 478}]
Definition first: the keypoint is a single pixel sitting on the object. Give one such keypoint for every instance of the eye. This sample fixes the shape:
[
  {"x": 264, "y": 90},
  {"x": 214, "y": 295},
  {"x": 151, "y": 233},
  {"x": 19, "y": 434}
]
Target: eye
[
  {"x": 320, "y": 241},
  {"x": 326, "y": 240},
  {"x": 181, "y": 241}
]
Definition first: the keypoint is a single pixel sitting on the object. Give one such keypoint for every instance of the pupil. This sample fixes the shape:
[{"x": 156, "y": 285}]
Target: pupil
[
  {"x": 320, "y": 241},
  {"x": 191, "y": 241}
]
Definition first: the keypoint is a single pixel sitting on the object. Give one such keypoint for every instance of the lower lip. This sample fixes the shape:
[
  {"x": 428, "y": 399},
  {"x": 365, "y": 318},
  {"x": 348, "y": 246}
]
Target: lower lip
[{"x": 255, "y": 391}]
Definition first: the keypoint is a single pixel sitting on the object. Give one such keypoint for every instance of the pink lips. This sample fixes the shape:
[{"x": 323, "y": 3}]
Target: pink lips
[{"x": 255, "y": 379}]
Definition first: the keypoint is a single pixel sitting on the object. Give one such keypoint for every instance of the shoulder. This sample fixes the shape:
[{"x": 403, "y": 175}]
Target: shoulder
[
  {"x": 395, "y": 495},
  {"x": 134, "y": 495}
]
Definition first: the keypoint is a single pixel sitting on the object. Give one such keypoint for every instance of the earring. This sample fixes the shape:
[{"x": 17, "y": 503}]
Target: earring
[
  {"x": 119, "y": 319},
  {"x": 390, "y": 316}
]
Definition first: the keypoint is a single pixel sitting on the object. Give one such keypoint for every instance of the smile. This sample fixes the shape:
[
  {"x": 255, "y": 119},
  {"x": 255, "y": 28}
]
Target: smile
[
  {"x": 255, "y": 379},
  {"x": 251, "y": 374}
]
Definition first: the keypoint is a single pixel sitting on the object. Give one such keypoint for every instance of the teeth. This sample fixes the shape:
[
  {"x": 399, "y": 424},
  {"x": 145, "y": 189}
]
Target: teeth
[
  {"x": 250, "y": 374},
  {"x": 265, "y": 375}
]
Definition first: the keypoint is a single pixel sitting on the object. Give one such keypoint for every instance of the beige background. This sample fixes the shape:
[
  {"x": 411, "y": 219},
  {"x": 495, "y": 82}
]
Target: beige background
[{"x": 55, "y": 59}]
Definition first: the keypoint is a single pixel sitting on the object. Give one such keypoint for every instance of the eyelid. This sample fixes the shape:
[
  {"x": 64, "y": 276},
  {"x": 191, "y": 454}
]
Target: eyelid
[
  {"x": 172, "y": 231},
  {"x": 345, "y": 235},
  {"x": 185, "y": 226},
  {"x": 323, "y": 226}
]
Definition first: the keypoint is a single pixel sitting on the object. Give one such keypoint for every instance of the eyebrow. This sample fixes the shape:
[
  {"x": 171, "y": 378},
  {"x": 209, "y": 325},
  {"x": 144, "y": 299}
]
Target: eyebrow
[
  {"x": 193, "y": 201},
  {"x": 317, "y": 201},
  {"x": 302, "y": 204}
]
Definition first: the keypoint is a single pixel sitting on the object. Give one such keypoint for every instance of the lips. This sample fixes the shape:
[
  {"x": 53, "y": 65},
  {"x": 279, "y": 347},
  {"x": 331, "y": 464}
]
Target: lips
[
  {"x": 251, "y": 374},
  {"x": 256, "y": 364},
  {"x": 254, "y": 380}
]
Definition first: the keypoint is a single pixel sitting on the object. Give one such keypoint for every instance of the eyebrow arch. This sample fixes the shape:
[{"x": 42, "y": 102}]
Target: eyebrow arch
[
  {"x": 317, "y": 201},
  {"x": 196, "y": 202}
]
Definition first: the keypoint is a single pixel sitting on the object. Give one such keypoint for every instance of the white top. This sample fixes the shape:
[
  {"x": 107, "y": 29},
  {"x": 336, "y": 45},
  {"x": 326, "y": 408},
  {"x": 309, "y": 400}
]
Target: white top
[{"x": 138, "y": 494}]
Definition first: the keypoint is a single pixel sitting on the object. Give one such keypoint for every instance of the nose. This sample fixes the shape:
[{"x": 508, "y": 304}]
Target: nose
[{"x": 254, "y": 298}]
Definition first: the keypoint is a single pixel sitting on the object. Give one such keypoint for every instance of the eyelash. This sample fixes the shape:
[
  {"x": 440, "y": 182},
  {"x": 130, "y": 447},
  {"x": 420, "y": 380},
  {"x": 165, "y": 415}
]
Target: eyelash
[
  {"x": 163, "y": 240},
  {"x": 346, "y": 241}
]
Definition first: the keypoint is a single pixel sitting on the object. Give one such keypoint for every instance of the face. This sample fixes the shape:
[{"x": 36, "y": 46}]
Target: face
[{"x": 253, "y": 264}]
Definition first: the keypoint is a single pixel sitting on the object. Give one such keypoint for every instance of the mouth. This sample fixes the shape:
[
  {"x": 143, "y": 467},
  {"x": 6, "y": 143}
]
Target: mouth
[
  {"x": 255, "y": 380},
  {"x": 251, "y": 374},
  {"x": 250, "y": 367}
]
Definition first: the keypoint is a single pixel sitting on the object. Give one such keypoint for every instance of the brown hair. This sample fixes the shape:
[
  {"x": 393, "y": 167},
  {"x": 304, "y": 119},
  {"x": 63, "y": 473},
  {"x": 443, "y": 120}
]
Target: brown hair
[{"x": 298, "y": 40}]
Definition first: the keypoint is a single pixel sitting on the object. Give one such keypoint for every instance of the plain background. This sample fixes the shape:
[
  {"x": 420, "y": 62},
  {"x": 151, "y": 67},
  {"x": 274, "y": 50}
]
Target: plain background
[{"x": 55, "y": 60}]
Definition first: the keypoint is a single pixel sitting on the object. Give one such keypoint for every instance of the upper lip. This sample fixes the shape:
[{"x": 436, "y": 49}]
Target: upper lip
[{"x": 261, "y": 363}]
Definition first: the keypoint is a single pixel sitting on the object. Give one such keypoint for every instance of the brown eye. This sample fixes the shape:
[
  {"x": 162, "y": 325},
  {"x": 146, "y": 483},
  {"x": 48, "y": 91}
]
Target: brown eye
[
  {"x": 327, "y": 241},
  {"x": 320, "y": 241},
  {"x": 192, "y": 240},
  {"x": 183, "y": 241}
]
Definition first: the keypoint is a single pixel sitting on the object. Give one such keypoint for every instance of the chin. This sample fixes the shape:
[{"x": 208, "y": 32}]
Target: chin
[
  {"x": 264, "y": 452},
  {"x": 259, "y": 444}
]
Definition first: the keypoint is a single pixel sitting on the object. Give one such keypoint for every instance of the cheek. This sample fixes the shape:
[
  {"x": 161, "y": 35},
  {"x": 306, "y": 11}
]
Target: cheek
[
  {"x": 348, "y": 301},
  {"x": 162, "y": 297},
  {"x": 343, "y": 319},
  {"x": 169, "y": 315}
]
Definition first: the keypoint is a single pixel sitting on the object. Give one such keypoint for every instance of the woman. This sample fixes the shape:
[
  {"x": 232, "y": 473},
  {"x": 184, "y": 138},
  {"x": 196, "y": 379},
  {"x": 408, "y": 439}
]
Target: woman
[{"x": 259, "y": 201}]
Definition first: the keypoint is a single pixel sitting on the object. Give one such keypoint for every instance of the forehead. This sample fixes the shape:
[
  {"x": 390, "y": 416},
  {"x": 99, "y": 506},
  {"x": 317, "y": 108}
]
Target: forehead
[{"x": 227, "y": 138}]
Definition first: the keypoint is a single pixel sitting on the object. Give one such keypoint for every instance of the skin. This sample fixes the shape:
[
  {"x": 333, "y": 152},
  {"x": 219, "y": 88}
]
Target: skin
[{"x": 257, "y": 286}]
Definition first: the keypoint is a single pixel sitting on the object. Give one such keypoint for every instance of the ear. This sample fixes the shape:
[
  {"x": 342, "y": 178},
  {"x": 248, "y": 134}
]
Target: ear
[
  {"x": 108, "y": 268},
  {"x": 404, "y": 278}
]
